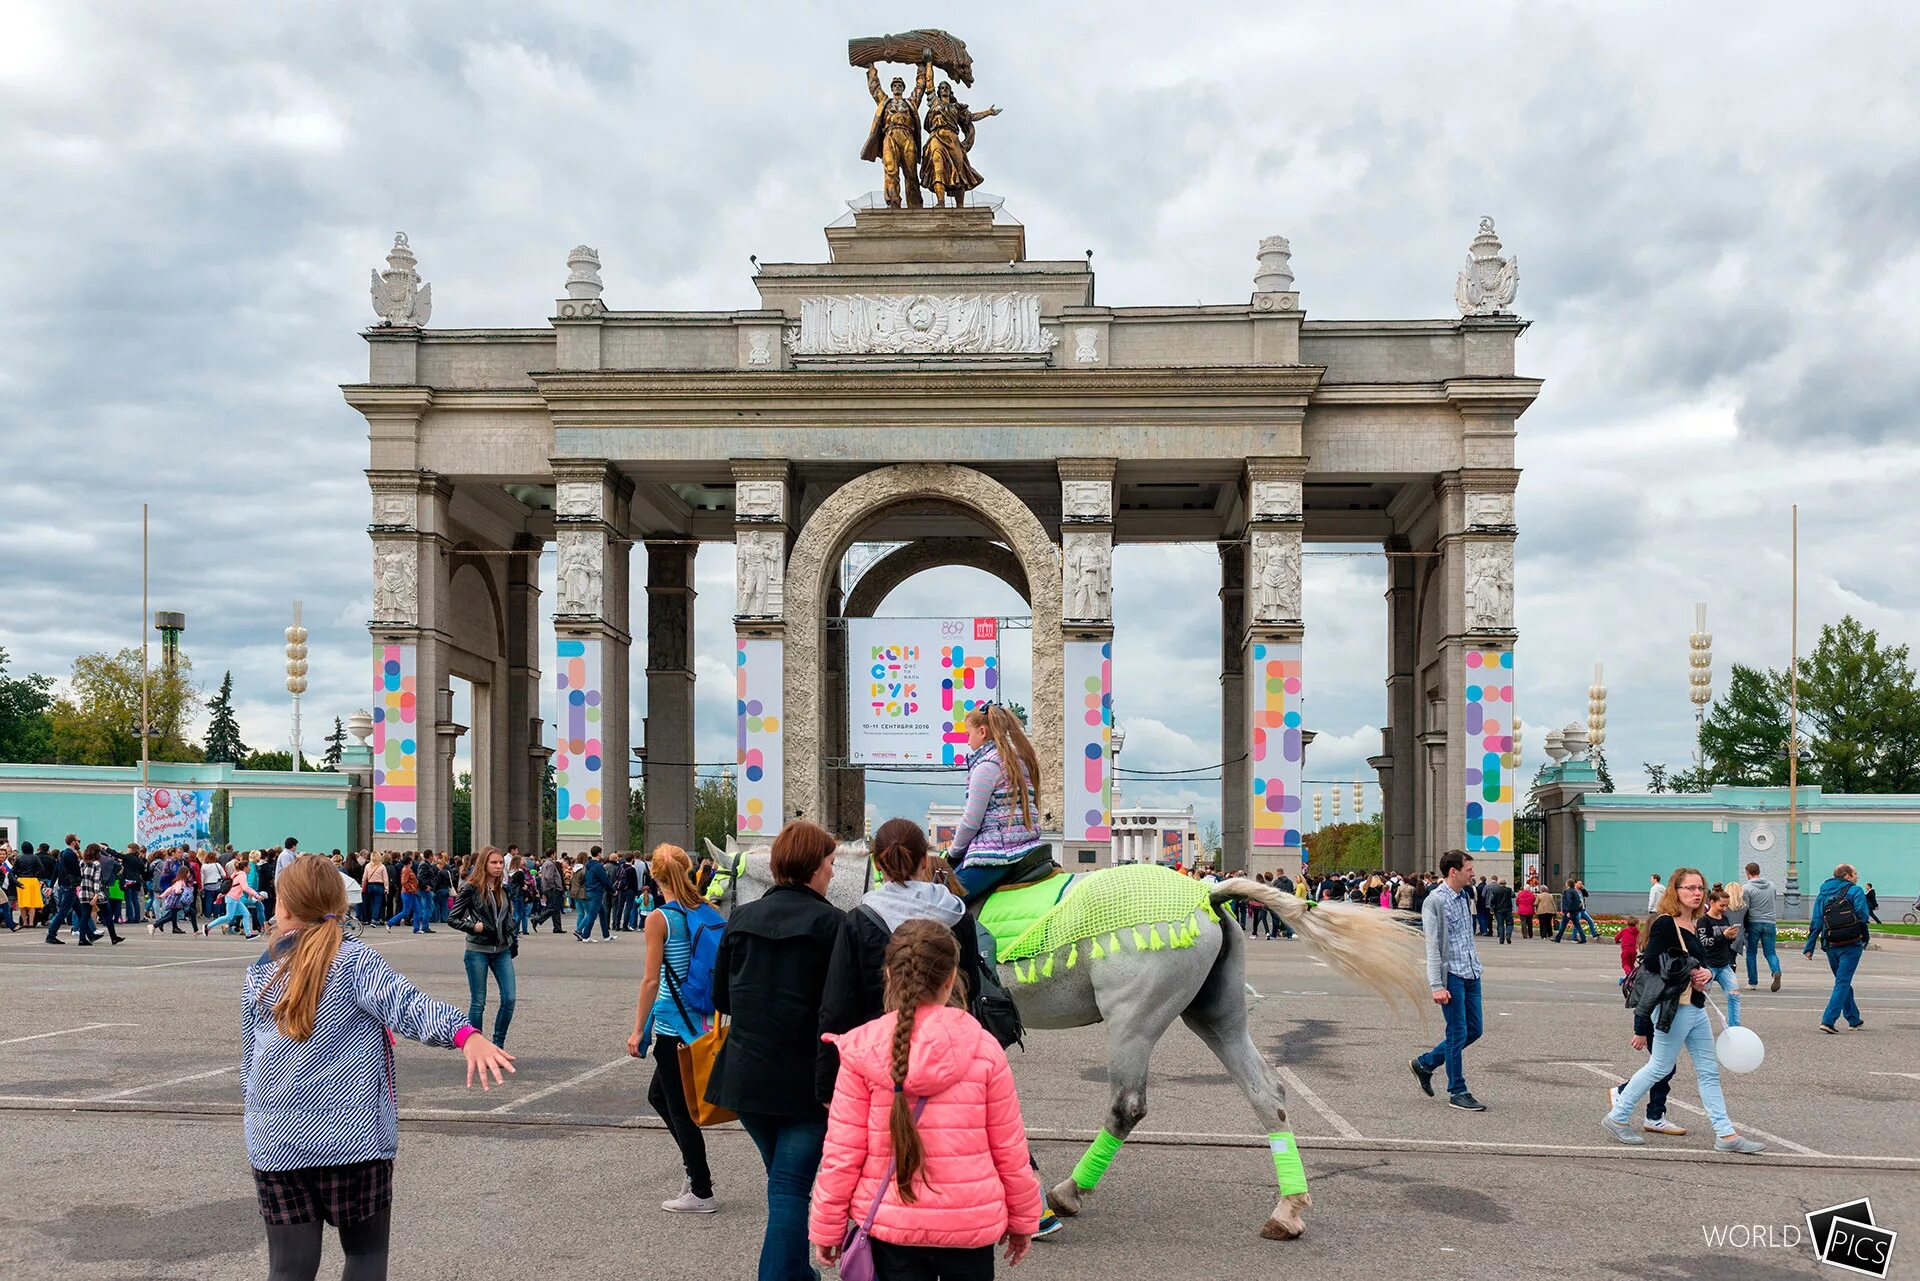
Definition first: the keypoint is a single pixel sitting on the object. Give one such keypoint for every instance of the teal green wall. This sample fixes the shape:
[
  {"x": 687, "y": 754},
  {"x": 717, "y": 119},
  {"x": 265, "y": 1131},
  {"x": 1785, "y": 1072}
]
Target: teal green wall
[
  {"x": 95, "y": 803},
  {"x": 259, "y": 822},
  {"x": 1619, "y": 853},
  {"x": 92, "y": 816}
]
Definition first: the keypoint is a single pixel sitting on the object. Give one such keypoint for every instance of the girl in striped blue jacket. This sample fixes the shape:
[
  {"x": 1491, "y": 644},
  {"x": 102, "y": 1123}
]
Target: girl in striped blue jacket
[{"x": 317, "y": 1074}]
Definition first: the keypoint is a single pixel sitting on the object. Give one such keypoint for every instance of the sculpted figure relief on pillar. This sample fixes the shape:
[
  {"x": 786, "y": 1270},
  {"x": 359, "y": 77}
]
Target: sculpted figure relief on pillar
[
  {"x": 396, "y": 583},
  {"x": 1275, "y": 585},
  {"x": 1490, "y": 586},
  {"x": 760, "y": 573},
  {"x": 579, "y": 571},
  {"x": 1087, "y": 577}
]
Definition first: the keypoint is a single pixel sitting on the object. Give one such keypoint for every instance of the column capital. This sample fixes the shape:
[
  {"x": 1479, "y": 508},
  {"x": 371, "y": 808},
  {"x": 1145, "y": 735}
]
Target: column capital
[
  {"x": 760, "y": 496},
  {"x": 1274, "y": 491},
  {"x": 1088, "y": 468}
]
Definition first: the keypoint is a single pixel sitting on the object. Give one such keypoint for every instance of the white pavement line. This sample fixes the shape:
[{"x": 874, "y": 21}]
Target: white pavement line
[
  {"x": 1314, "y": 1101},
  {"x": 1911, "y": 1076},
  {"x": 567, "y": 1084},
  {"x": 1614, "y": 1079},
  {"x": 205, "y": 960},
  {"x": 161, "y": 1085},
  {"x": 65, "y": 1031}
]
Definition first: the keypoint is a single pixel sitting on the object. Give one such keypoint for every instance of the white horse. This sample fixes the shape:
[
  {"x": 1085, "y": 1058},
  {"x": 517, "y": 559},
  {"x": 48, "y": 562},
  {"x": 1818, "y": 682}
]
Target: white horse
[{"x": 1139, "y": 991}]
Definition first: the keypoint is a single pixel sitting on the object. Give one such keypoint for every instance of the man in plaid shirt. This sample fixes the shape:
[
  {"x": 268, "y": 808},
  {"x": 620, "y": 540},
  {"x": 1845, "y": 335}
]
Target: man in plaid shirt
[{"x": 91, "y": 893}]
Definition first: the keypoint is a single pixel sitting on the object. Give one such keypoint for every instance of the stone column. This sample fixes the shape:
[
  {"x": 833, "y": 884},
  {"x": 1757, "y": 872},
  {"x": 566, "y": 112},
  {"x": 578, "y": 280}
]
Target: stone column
[
  {"x": 669, "y": 772},
  {"x": 761, "y": 507},
  {"x": 523, "y": 754},
  {"x": 1398, "y": 763},
  {"x": 1233, "y": 705},
  {"x": 1086, "y": 639},
  {"x": 1474, "y": 805},
  {"x": 1276, "y": 750},
  {"x": 591, "y": 644},
  {"x": 412, "y": 789}
]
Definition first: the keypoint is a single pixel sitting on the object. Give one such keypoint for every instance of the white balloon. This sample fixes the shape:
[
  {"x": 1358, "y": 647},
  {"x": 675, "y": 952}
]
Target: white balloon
[{"x": 1739, "y": 1049}]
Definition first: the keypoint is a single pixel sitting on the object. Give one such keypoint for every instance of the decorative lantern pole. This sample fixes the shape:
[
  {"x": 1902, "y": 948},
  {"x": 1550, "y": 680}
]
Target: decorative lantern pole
[
  {"x": 1336, "y": 805},
  {"x": 296, "y": 675},
  {"x": 1597, "y": 708},
  {"x": 1700, "y": 679},
  {"x": 1319, "y": 808},
  {"x": 1359, "y": 797}
]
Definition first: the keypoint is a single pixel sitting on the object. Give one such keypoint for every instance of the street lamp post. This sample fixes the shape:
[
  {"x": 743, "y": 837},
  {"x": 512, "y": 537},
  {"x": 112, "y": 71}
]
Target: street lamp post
[
  {"x": 296, "y": 676},
  {"x": 1700, "y": 680}
]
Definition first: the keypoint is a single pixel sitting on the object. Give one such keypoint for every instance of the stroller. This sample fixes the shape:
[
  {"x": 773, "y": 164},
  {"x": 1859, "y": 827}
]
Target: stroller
[{"x": 350, "y": 923}]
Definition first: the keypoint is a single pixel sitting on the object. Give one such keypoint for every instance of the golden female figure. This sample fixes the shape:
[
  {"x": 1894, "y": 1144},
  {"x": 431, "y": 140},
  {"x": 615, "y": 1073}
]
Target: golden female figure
[{"x": 944, "y": 165}]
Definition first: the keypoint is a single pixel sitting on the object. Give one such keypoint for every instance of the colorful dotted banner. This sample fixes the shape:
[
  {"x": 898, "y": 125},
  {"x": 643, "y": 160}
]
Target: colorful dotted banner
[
  {"x": 967, "y": 680},
  {"x": 1089, "y": 740},
  {"x": 396, "y": 745},
  {"x": 1275, "y": 753},
  {"x": 758, "y": 673},
  {"x": 1489, "y": 783},
  {"x": 578, "y": 767}
]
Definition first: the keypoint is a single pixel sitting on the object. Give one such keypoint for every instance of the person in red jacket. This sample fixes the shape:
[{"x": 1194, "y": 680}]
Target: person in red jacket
[
  {"x": 1629, "y": 948},
  {"x": 940, "y": 1190}
]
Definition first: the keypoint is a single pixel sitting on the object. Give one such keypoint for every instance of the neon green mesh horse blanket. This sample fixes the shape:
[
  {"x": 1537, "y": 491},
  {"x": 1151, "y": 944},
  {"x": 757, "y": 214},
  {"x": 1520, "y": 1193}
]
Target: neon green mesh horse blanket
[{"x": 1142, "y": 905}]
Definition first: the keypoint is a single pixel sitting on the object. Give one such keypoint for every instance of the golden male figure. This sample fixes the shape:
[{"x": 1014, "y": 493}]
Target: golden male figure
[{"x": 894, "y": 139}]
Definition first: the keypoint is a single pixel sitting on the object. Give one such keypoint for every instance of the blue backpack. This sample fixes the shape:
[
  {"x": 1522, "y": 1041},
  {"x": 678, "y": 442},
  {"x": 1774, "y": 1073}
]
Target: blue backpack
[{"x": 694, "y": 989}]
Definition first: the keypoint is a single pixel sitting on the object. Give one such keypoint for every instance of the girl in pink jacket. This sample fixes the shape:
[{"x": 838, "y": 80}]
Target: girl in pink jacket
[{"x": 960, "y": 1180}]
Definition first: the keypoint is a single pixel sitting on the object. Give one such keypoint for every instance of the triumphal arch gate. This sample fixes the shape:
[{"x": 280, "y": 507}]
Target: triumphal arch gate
[{"x": 929, "y": 385}]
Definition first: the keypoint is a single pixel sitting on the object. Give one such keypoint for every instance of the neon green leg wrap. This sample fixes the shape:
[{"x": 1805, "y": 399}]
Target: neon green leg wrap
[
  {"x": 1286, "y": 1163},
  {"x": 1086, "y": 1174}
]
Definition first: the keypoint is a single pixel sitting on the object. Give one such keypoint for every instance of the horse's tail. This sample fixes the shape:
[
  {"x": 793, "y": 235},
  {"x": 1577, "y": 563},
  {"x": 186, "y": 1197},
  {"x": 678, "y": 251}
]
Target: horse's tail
[{"x": 1363, "y": 943}]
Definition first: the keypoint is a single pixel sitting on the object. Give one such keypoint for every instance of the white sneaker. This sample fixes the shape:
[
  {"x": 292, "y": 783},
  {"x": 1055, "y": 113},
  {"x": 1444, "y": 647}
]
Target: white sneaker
[
  {"x": 1664, "y": 1126},
  {"x": 688, "y": 1203}
]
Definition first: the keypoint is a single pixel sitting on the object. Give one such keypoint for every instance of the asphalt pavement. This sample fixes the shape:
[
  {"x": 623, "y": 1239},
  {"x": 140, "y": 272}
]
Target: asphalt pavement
[{"x": 123, "y": 1155}]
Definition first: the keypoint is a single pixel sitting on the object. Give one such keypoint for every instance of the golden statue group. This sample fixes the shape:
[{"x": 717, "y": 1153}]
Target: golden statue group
[{"x": 941, "y": 164}]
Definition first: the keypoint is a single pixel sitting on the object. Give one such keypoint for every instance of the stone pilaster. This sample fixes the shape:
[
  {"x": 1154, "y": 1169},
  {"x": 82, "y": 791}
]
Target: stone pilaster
[
  {"x": 1274, "y": 675},
  {"x": 762, "y": 507},
  {"x": 1086, "y": 638},
  {"x": 669, "y": 767},
  {"x": 525, "y": 763},
  {"x": 1399, "y": 762},
  {"x": 1233, "y": 705},
  {"x": 1476, "y": 797},
  {"x": 413, "y": 781},
  {"x": 591, "y": 643}
]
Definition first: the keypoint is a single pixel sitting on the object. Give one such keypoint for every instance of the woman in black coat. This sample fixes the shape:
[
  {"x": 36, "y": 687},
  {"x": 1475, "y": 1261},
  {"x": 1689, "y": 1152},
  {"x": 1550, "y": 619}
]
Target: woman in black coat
[{"x": 767, "y": 979}]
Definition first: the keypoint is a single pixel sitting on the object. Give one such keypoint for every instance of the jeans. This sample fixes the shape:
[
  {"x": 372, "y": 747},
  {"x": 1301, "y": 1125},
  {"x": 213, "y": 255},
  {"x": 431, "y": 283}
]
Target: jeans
[
  {"x": 376, "y": 904},
  {"x": 595, "y": 908},
  {"x": 131, "y": 911},
  {"x": 209, "y": 903},
  {"x": 478, "y": 963},
  {"x": 422, "y": 912},
  {"x": 1503, "y": 926},
  {"x": 406, "y": 910},
  {"x": 1573, "y": 919},
  {"x": 170, "y": 916},
  {"x": 1691, "y": 1029},
  {"x": 1483, "y": 922},
  {"x": 236, "y": 915},
  {"x": 522, "y": 914},
  {"x": 1730, "y": 984},
  {"x": 66, "y": 903},
  {"x": 665, "y": 1096},
  {"x": 790, "y": 1149},
  {"x": 1463, "y": 1029},
  {"x": 1843, "y": 961},
  {"x": 1761, "y": 936}
]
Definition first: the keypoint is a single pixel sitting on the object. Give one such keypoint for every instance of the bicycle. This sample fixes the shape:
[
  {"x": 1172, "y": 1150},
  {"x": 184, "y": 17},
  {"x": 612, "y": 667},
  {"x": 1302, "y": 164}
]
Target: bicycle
[{"x": 1912, "y": 915}]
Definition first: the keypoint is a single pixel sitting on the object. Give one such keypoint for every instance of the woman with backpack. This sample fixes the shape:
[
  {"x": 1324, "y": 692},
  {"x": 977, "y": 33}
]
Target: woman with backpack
[
  {"x": 925, "y": 1143},
  {"x": 768, "y": 979},
  {"x": 684, "y": 925}
]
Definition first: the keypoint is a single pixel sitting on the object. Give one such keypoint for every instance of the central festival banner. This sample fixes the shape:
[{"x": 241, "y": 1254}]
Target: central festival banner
[
  {"x": 911, "y": 683},
  {"x": 169, "y": 817}
]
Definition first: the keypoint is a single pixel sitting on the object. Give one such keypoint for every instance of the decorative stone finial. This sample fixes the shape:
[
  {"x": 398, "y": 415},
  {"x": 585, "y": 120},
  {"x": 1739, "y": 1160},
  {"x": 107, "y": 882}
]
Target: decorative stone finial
[
  {"x": 583, "y": 272},
  {"x": 1273, "y": 283},
  {"x": 1276, "y": 272},
  {"x": 398, "y": 296},
  {"x": 360, "y": 725},
  {"x": 1488, "y": 282}
]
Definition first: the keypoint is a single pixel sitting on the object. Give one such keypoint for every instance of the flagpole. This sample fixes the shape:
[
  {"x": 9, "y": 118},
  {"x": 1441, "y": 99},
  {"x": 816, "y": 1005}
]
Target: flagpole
[{"x": 1793, "y": 727}]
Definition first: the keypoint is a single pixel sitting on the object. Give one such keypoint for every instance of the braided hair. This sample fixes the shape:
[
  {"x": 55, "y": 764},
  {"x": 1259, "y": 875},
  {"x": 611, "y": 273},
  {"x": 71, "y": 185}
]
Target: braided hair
[{"x": 921, "y": 957}]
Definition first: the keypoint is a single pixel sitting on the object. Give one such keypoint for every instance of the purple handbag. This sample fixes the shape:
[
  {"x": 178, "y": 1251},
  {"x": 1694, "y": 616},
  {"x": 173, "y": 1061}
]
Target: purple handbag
[{"x": 856, "y": 1251}]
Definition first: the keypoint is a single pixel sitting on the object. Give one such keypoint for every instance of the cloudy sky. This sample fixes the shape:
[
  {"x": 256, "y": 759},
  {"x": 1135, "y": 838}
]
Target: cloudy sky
[{"x": 1716, "y": 208}]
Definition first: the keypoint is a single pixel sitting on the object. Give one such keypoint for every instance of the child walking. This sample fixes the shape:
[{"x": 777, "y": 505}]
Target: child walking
[
  {"x": 238, "y": 895},
  {"x": 924, "y": 1135},
  {"x": 316, "y": 1073}
]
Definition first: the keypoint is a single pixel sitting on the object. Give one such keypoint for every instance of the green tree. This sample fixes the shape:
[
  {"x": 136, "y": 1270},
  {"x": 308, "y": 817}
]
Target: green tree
[
  {"x": 1656, "y": 777},
  {"x": 336, "y": 744},
  {"x": 276, "y": 760},
  {"x": 223, "y": 731},
  {"x": 1599, "y": 759},
  {"x": 549, "y": 800},
  {"x": 26, "y": 729},
  {"x": 462, "y": 806},
  {"x": 99, "y": 723},
  {"x": 636, "y": 819},
  {"x": 1860, "y": 712},
  {"x": 1744, "y": 736},
  {"x": 714, "y": 813},
  {"x": 1346, "y": 847}
]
